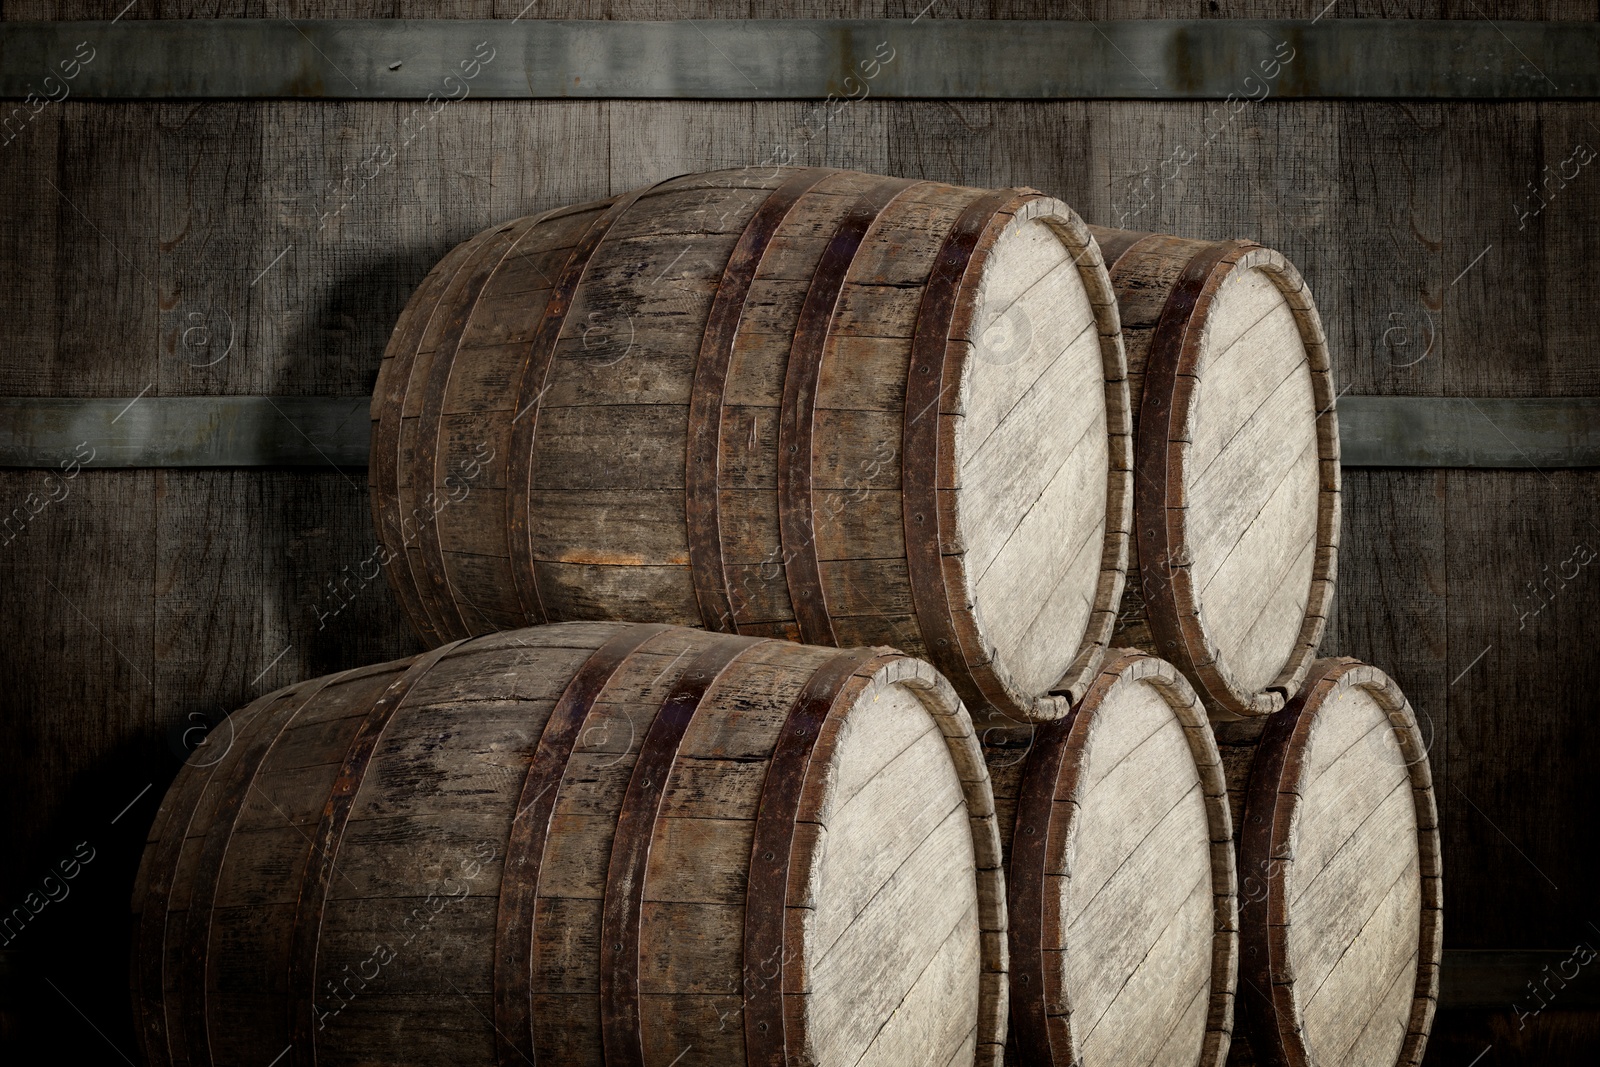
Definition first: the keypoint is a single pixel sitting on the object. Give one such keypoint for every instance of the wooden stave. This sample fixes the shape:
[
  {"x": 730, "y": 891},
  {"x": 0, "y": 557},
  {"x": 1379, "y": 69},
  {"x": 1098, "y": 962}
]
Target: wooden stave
[
  {"x": 393, "y": 382},
  {"x": 959, "y": 652},
  {"x": 1160, "y": 334},
  {"x": 1269, "y": 1032},
  {"x": 1035, "y": 773},
  {"x": 856, "y": 673}
]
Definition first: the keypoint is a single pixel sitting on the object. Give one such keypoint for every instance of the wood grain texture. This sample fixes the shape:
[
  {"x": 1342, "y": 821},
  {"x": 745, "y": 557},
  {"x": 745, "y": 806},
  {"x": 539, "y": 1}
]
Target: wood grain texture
[
  {"x": 1340, "y": 916},
  {"x": 1121, "y": 876},
  {"x": 670, "y": 9},
  {"x": 1036, "y": 443},
  {"x": 1519, "y": 541},
  {"x": 827, "y": 418},
  {"x": 1386, "y": 325},
  {"x": 342, "y": 877},
  {"x": 1436, "y": 566}
]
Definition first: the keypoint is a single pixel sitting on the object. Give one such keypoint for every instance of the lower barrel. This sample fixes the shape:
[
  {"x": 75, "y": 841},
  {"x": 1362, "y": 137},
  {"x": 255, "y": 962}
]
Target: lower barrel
[
  {"x": 1340, "y": 898},
  {"x": 581, "y": 844},
  {"x": 1120, "y": 874}
]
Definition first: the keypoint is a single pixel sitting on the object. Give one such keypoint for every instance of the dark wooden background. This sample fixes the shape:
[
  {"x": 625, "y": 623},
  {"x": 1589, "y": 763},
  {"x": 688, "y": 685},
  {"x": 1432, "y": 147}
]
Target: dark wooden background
[{"x": 144, "y": 601}]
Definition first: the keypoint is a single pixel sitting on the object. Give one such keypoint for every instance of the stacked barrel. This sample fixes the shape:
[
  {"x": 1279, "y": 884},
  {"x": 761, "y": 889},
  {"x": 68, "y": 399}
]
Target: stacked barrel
[
  {"x": 795, "y": 549},
  {"x": 812, "y": 404}
]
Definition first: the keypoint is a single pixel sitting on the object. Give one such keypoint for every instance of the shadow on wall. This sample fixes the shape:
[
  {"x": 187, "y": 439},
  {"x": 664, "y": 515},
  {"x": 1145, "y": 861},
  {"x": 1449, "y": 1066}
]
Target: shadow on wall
[
  {"x": 317, "y": 547},
  {"x": 1562, "y": 1039},
  {"x": 264, "y": 593},
  {"x": 64, "y": 964}
]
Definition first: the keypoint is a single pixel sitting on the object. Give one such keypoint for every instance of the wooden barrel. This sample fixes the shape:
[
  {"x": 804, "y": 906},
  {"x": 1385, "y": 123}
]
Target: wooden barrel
[
  {"x": 576, "y": 844},
  {"x": 814, "y": 404},
  {"x": 1236, "y": 511},
  {"x": 1340, "y": 898},
  {"x": 1120, "y": 875}
]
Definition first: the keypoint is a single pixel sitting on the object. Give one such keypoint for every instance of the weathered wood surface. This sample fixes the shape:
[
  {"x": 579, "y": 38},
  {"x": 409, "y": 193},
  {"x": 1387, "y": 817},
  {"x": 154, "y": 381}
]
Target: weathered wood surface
[
  {"x": 1120, "y": 872},
  {"x": 986, "y": 59},
  {"x": 585, "y": 843},
  {"x": 1340, "y": 875},
  {"x": 1236, "y": 462},
  {"x": 671, "y": 9},
  {"x": 795, "y": 402},
  {"x": 1435, "y": 566}
]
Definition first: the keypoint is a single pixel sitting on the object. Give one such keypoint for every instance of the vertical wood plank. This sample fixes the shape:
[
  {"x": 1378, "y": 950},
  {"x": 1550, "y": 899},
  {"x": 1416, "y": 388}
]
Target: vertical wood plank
[
  {"x": 30, "y": 245},
  {"x": 206, "y": 602},
  {"x": 1392, "y": 592},
  {"x": 1522, "y": 718},
  {"x": 83, "y": 736},
  {"x": 1046, "y": 146},
  {"x": 104, "y": 272},
  {"x": 1571, "y": 232},
  {"x": 321, "y": 594},
  {"x": 331, "y": 261},
  {"x": 1382, "y": 305},
  {"x": 208, "y": 160}
]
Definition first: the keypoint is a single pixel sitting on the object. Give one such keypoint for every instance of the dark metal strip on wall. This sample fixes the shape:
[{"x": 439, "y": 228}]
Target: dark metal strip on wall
[
  {"x": 1450, "y": 431},
  {"x": 264, "y": 431},
  {"x": 197, "y": 431},
  {"x": 1523, "y": 981},
  {"x": 757, "y": 59}
]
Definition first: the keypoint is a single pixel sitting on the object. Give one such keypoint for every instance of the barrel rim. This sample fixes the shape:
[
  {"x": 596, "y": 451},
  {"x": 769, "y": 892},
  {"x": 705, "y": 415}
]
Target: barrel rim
[
  {"x": 1172, "y": 384},
  {"x": 890, "y": 667},
  {"x": 992, "y": 683},
  {"x": 1049, "y": 797},
  {"x": 1271, "y": 818}
]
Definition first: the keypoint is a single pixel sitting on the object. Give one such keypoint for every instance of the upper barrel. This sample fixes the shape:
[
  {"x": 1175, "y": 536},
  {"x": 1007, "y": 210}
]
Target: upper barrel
[
  {"x": 1236, "y": 507},
  {"x": 816, "y": 404}
]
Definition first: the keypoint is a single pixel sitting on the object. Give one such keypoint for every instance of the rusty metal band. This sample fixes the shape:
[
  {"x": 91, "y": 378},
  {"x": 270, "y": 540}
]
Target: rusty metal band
[
  {"x": 530, "y": 391},
  {"x": 234, "y": 789},
  {"x": 703, "y": 468},
  {"x": 920, "y": 459},
  {"x": 306, "y": 936},
  {"x": 460, "y": 301},
  {"x": 385, "y": 449},
  {"x": 1119, "y": 243},
  {"x": 1025, "y": 881},
  {"x": 1275, "y": 770},
  {"x": 1171, "y": 357},
  {"x": 796, "y": 509},
  {"x": 150, "y": 935},
  {"x": 623, "y": 912},
  {"x": 525, "y": 846},
  {"x": 766, "y": 955}
]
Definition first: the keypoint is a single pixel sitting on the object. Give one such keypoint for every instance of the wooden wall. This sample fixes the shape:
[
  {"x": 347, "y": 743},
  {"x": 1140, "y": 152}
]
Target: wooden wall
[{"x": 140, "y": 602}]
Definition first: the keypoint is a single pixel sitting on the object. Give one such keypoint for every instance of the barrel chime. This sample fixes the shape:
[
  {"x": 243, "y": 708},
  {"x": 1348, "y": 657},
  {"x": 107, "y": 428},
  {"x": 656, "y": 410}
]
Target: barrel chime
[{"x": 870, "y": 621}]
